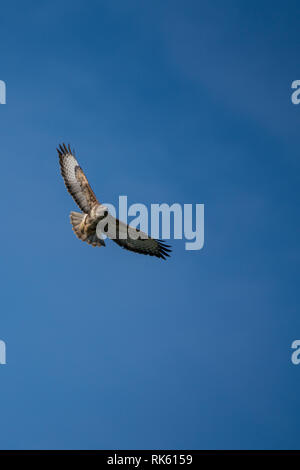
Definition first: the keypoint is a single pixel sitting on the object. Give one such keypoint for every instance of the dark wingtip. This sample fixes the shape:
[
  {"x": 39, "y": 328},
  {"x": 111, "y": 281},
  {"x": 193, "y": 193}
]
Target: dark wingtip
[
  {"x": 164, "y": 249},
  {"x": 64, "y": 150}
]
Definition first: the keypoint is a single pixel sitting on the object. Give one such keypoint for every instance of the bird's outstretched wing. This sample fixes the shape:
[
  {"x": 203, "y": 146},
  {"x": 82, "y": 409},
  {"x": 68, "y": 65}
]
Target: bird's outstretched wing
[
  {"x": 75, "y": 180},
  {"x": 133, "y": 239}
]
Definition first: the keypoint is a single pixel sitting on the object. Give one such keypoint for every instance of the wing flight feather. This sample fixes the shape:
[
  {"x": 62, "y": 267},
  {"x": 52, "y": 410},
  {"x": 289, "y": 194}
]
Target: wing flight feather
[
  {"x": 75, "y": 179},
  {"x": 133, "y": 239}
]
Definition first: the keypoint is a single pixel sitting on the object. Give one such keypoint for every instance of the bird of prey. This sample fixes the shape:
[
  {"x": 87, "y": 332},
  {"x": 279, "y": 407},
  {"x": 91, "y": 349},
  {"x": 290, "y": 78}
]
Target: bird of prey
[{"x": 85, "y": 223}]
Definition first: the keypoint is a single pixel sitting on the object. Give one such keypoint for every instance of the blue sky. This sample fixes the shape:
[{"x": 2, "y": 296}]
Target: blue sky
[{"x": 164, "y": 101}]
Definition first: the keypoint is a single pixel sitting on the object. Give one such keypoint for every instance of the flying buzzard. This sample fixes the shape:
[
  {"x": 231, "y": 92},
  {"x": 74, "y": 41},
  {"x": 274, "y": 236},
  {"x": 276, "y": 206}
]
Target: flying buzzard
[{"x": 85, "y": 223}]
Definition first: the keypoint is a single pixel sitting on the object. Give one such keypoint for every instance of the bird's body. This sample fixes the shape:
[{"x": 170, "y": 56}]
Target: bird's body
[{"x": 85, "y": 223}]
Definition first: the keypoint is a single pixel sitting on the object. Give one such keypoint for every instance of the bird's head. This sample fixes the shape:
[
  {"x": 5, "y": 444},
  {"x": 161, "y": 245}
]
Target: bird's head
[{"x": 101, "y": 212}]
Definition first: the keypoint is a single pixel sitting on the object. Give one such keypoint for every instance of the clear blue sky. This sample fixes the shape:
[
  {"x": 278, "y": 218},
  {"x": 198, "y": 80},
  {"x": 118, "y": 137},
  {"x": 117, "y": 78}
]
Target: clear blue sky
[{"x": 165, "y": 101}]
